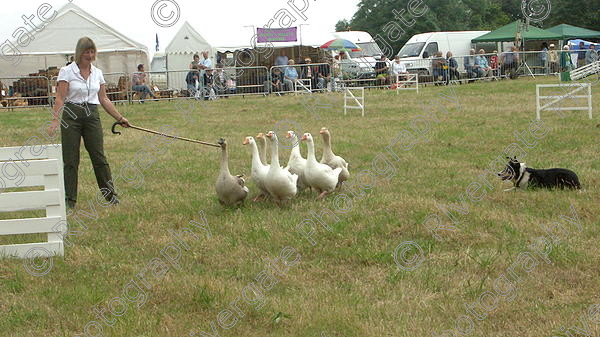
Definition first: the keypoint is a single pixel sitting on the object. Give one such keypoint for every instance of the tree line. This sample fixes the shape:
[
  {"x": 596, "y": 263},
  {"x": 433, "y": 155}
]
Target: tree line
[{"x": 381, "y": 17}]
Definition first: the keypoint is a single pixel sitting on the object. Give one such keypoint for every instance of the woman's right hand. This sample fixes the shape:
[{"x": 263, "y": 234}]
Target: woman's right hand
[{"x": 53, "y": 126}]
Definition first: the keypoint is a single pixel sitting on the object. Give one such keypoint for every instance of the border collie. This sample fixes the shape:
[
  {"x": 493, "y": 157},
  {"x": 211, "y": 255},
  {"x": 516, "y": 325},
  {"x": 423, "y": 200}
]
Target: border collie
[{"x": 523, "y": 176}]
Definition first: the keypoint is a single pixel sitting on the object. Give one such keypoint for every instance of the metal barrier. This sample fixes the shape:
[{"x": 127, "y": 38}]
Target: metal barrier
[
  {"x": 117, "y": 87},
  {"x": 304, "y": 78},
  {"x": 407, "y": 82},
  {"x": 26, "y": 91}
]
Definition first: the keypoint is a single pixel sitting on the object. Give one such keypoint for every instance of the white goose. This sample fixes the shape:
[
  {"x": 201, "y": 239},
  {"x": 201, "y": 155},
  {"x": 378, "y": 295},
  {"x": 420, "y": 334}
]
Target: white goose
[
  {"x": 296, "y": 163},
  {"x": 280, "y": 183},
  {"x": 262, "y": 148},
  {"x": 259, "y": 171},
  {"x": 319, "y": 176},
  {"x": 330, "y": 159}
]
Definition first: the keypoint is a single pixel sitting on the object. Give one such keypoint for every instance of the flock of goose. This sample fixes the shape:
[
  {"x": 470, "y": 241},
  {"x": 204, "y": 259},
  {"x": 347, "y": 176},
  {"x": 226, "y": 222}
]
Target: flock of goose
[{"x": 282, "y": 183}]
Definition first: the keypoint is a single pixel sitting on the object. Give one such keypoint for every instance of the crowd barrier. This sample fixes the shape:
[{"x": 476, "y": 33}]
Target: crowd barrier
[{"x": 18, "y": 92}]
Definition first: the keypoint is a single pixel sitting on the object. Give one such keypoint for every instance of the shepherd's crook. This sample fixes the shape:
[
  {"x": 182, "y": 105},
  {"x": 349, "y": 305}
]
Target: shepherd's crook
[{"x": 162, "y": 134}]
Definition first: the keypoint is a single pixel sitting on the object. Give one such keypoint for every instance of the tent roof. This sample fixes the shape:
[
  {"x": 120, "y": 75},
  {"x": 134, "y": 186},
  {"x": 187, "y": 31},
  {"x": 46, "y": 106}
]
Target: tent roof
[
  {"x": 187, "y": 41},
  {"x": 509, "y": 32},
  {"x": 569, "y": 31},
  {"x": 71, "y": 23}
]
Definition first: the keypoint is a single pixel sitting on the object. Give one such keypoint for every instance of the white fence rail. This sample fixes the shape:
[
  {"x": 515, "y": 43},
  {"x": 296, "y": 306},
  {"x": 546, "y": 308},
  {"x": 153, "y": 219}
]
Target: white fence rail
[
  {"x": 37, "y": 166},
  {"x": 356, "y": 102},
  {"x": 569, "y": 94}
]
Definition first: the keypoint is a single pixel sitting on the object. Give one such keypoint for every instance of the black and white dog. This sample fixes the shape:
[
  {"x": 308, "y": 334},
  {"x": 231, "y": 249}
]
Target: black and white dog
[{"x": 523, "y": 176}]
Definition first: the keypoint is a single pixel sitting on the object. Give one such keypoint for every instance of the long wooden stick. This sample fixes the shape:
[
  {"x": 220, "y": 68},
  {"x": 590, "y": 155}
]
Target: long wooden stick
[{"x": 163, "y": 135}]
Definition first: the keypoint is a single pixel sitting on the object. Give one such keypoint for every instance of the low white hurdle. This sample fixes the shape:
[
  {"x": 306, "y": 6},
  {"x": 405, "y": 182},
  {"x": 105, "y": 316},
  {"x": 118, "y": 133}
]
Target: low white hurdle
[
  {"x": 410, "y": 83},
  {"x": 303, "y": 85},
  {"x": 359, "y": 101},
  {"x": 26, "y": 167},
  {"x": 585, "y": 71},
  {"x": 548, "y": 106}
]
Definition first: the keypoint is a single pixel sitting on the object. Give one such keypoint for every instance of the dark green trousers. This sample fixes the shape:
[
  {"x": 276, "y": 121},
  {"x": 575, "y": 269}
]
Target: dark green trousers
[{"x": 83, "y": 121}]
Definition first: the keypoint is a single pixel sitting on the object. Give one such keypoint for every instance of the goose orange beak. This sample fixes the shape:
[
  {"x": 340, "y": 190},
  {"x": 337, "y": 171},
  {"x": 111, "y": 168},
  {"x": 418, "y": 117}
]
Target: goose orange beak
[
  {"x": 304, "y": 137},
  {"x": 323, "y": 130},
  {"x": 246, "y": 141},
  {"x": 260, "y": 135},
  {"x": 270, "y": 134},
  {"x": 288, "y": 135}
]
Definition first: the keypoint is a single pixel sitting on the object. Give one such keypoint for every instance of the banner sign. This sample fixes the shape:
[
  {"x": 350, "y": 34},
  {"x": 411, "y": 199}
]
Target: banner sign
[{"x": 264, "y": 35}]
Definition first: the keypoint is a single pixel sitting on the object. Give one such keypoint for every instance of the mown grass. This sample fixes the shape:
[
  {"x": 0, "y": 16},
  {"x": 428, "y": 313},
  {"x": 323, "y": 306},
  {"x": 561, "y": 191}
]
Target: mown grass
[{"x": 348, "y": 283}]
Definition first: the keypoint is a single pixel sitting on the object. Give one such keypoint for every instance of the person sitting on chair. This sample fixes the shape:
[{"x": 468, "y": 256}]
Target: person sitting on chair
[
  {"x": 469, "y": 63},
  {"x": 510, "y": 62},
  {"x": 192, "y": 79},
  {"x": 481, "y": 62},
  {"x": 275, "y": 85},
  {"x": 290, "y": 75},
  {"x": 382, "y": 69},
  {"x": 438, "y": 64},
  {"x": 452, "y": 67},
  {"x": 138, "y": 84}
]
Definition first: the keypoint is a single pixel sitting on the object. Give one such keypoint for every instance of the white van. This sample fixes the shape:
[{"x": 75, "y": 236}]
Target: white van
[
  {"x": 365, "y": 59},
  {"x": 417, "y": 52}
]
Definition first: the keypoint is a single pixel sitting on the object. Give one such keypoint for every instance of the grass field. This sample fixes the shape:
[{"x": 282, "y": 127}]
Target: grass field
[{"x": 348, "y": 281}]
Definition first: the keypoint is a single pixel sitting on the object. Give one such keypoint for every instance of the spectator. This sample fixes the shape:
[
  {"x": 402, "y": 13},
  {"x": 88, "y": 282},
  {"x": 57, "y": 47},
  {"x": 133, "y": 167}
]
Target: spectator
[
  {"x": 343, "y": 55},
  {"x": 220, "y": 81},
  {"x": 70, "y": 60},
  {"x": 581, "y": 55},
  {"x": 282, "y": 59},
  {"x": 452, "y": 67},
  {"x": 438, "y": 64},
  {"x": 206, "y": 62},
  {"x": 306, "y": 71},
  {"x": 337, "y": 71},
  {"x": 208, "y": 85},
  {"x": 469, "y": 63},
  {"x": 494, "y": 62},
  {"x": 275, "y": 85},
  {"x": 544, "y": 56},
  {"x": 510, "y": 62},
  {"x": 553, "y": 59},
  {"x": 565, "y": 60},
  {"x": 481, "y": 62},
  {"x": 196, "y": 62},
  {"x": 398, "y": 70},
  {"x": 323, "y": 76},
  {"x": 192, "y": 79},
  {"x": 591, "y": 56},
  {"x": 138, "y": 84},
  {"x": 290, "y": 75},
  {"x": 382, "y": 69}
]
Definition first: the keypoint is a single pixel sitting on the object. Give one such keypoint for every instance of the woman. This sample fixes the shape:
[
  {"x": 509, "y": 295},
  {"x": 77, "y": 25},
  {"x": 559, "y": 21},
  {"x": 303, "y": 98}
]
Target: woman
[{"x": 80, "y": 90}]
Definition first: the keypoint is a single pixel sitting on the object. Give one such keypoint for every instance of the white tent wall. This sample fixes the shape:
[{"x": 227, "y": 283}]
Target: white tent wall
[
  {"x": 180, "y": 53},
  {"x": 57, "y": 40}
]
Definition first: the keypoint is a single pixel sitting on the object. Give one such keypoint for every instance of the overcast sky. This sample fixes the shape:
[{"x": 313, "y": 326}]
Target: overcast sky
[{"x": 220, "y": 22}]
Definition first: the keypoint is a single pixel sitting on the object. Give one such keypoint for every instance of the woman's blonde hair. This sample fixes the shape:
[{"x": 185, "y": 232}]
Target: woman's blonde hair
[{"x": 84, "y": 44}]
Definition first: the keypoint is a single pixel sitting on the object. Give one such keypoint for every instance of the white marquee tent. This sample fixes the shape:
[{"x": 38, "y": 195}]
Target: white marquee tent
[
  {"x": 180, "y": 52},
  {"x": 56, "y": 43}
]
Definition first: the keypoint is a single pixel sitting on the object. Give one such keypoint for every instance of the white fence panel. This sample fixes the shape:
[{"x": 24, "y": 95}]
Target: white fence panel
[{"x": 35, "y": 166}]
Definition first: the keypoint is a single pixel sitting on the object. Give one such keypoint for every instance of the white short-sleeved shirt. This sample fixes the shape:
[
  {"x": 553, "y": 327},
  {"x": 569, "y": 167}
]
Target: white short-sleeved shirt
[
  {"x": 398, "y": 68},
  {"x": 81, "y": 90},
  {"x": 207, "y": 63}
]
